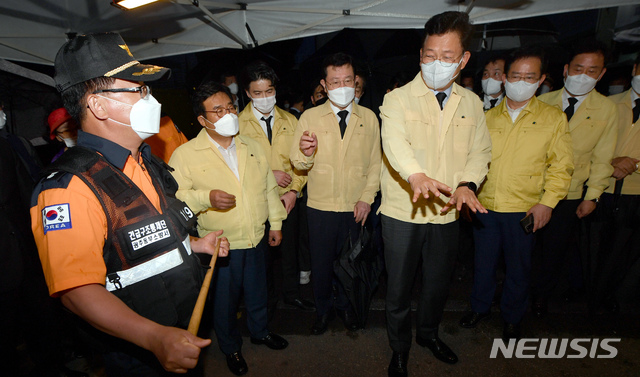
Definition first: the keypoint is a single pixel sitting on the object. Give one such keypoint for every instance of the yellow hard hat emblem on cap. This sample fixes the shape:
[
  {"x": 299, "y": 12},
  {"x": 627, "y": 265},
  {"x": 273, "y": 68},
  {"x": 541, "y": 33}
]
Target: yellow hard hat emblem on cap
[{"x": 126, "y": 48}]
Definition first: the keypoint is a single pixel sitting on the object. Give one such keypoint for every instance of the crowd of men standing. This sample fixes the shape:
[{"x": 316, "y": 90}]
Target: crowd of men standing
[{"x": 116, "y": 227}]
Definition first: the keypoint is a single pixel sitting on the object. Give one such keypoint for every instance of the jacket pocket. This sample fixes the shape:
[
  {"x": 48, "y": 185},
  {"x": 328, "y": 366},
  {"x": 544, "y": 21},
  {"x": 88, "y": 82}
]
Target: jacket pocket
[
  {"x": 464, "y": 130},
  {"x": 356, "y": 182},
  {"x": 321, "y": 183}
]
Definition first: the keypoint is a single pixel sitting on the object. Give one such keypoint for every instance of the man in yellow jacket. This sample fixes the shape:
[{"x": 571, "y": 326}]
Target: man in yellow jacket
[
  {"x": 226, "y": 179},
  {"x": 621, "y": 201},
  {"x": 339, "y": 145},
  {"x": 434, "y": 138},
  {"x": 273, "y": 129},
  {"x": 593, "y": 125},
  {"x": 531, "y": 166}
]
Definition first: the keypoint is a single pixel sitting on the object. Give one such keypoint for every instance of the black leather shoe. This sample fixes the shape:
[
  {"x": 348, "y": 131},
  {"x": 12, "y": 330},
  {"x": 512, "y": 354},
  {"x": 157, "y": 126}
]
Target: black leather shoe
[
  {"x": 539, "y": 308},
  {"x": 471, "y": 320},
  {"x": 511, "y": 331},
  {"x": 236, "y": 364},
  {"x": 302, "y": 304},
  {"x": 322, "y": 323},
  {"x": 349, "y": 319},
  {"x": 440, "y": 350},
  {"x": 273, "y": 341},
  {"x": 398, "y": 364}
]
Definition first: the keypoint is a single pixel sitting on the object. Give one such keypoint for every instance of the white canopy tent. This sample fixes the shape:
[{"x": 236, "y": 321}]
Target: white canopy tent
[{"x": 33, "y": 30}]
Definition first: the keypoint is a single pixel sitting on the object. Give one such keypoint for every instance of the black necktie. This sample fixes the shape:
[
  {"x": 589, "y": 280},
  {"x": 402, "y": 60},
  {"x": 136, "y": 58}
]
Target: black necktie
[
  {"x": 493, "y": 103},
  {"x": 269, "y": 130},
  {"x": 441, "y": 96},
  {"x": 343, "y": 121},
  {"x": 571, "y": 108},
  {"x": 636, "y": 111}
]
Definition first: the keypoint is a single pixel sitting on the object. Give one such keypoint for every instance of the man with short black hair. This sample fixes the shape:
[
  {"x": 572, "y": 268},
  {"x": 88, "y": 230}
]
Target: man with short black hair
[
  {"x": 226, "y": 179},
  {"x": 339, "y": 145},
  {"x": 492, "y": 87},
  {"x": 593, "y": 122},
  {"x": 434, "y": 138},
  {"x": 273, "y": 129},
  {"x": 531, "y": 166},
  {"x": 113, "y": 239}
]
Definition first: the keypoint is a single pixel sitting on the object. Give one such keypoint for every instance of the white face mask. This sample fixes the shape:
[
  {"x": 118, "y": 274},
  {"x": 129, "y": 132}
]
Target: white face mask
[
  {"x": 579, "y": 85},
  {"x": 233, "y": 88},
  {"x": 544, "y": 89},
  {"x": 491, "y": 86},
  {"x": 144, "y": 118},
  {"x": 226, "y": 126},
  {"x": 635, "y": 84},
  {"x": 520, "y": 91},
  {"x": 437, "y": 74},
  {"x": 3, "y": 119},
  {"x": 69, "y": 142},
  {"x": 615, "y": 89},
  {"x": 356, "y": 100},
  {"x": 342, "y": 96},
  {"x": 264, "y": 104}
]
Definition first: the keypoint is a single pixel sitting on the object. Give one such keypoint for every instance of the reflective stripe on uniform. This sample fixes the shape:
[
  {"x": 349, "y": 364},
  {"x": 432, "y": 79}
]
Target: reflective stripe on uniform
[{"x": 148, "y": 269}]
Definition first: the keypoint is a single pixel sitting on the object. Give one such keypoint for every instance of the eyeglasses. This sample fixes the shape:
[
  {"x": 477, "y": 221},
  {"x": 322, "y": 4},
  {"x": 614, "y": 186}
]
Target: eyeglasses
[
  {"x": 346, "y": 82},
  {"x": 446, "y": 61},
  {"x": 144, "y": 90},
  {"x": 222, "y": 111},
  {"x": 496, "y": 75},
  {"x": 528, "y": 78}
]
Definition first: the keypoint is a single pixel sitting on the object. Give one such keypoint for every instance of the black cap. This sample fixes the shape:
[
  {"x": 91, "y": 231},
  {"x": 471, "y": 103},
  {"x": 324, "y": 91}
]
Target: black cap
[{"x": 87, "y": 57}]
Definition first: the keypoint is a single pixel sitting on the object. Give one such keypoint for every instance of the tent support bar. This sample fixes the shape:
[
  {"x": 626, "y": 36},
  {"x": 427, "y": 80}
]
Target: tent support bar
[
  {"x": 470, "y": 6},
  {"x": 224, "y": 27},
  {"x": 44, "y": 58}
]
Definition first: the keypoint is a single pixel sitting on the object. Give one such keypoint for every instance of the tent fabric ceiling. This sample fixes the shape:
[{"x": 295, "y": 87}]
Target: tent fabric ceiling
[{"x": 33, "y": 30}]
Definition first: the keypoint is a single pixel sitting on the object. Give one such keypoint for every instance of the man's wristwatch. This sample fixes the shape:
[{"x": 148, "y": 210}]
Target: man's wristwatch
[
  {"x": 596, "y": 200},
  {"x": 470, "y": 185}
]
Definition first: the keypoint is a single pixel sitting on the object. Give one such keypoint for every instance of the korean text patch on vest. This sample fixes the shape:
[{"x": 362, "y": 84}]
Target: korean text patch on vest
[
  {"x": 56, "y": 217},
  {"x": 145, "y": 237}
]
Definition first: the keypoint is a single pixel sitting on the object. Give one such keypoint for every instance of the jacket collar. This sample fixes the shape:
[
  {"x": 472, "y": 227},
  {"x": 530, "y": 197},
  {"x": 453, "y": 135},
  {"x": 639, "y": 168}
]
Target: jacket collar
[
  {"x": 419, "y": 88},
  {"x": 531, "y": 107},
  {"x": 202, "y": 140},
  {"x": 326, "y": 109}
]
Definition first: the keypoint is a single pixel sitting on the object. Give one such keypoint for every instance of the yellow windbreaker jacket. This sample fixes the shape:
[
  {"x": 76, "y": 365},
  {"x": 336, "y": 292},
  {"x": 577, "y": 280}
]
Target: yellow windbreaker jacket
[
  {"x": 594, "y": 131},
  {"x": 628, "y": 142},
  {"x": 200, "y": 168},
  {"x": 531, "y": 160},
  {"x": 284, "y": 126},
  {"x": 414, "y": 143},
  {"x": 342, "y": 171}
]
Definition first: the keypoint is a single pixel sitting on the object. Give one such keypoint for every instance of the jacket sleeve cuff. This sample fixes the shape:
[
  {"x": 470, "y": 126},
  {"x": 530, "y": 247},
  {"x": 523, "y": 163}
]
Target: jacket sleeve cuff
[
  {"x": 303, "y": 162},
  {"x": 411, "y": 170},
  {"x": 549, "y": 201},
  {"x": 592, "y": 193},
  {"x": 367, "y": 198},
  {"x": 275, "y": 225},
  {"x": 203, "y": 199}
]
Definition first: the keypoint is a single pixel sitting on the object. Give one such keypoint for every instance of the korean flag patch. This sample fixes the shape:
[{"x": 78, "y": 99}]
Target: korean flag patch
[{"x": 56, "y": 217}]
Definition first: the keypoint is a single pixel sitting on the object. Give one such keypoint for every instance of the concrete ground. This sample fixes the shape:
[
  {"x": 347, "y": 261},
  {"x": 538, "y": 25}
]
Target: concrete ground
[{"x": 366, "y": 352}]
